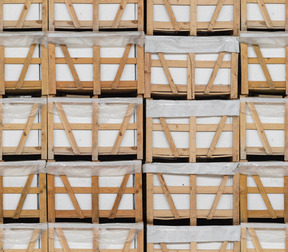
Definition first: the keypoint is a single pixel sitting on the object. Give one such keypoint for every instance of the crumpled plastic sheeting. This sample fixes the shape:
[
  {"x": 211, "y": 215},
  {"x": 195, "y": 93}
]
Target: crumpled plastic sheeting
[
  {"x": 22, "y": 168},
  {"x": 264, "y": 39},
  {"x": 23, "y": 39}
]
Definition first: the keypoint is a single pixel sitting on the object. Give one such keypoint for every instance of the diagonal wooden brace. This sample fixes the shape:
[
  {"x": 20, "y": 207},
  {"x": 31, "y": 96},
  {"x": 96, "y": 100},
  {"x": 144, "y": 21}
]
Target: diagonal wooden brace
[
  {"x": 23, "y": 14},
  {"x": 119, "y": 14},
  {"x": 72, "y": 14},
  {"x": 215, "y": 15},
  {"x": 169, "y": 137}
]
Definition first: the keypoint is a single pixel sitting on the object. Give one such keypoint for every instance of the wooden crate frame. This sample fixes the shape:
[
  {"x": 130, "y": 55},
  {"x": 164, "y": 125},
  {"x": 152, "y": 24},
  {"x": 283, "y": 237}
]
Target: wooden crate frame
[
  {"x": 38, "y": 230},
  {"x": 97, "y": 86},
  {"x": 192, "y": 89},
  {"x": 193, "y": 213},
  {"x": 95, "y": 214},
  {"x": 21, "y": 23},
  {"x": 193, "y": 26},
  {"x": 95, "y": 151},
  {"x": 251, "y": 230},
  {"x": 20, "y": 149},
  {"x": 21, "y": 85},
  {"x": 61, "y": 235},
  {"x": 96, "y": 24},
  {"x": 267, "y": 24},
  {"x": 192, "y": 128},
  {"x": 193, "y": 245},
  {"x": 266, "y": 150},
  {"x": 40, "y": 190},
  {"x": 261, "y": 86}
]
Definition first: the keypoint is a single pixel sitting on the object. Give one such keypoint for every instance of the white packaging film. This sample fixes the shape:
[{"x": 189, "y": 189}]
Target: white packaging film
[
  {"x": 15, "y": 174},
  {"x": 109, "y": 236},
  {"x": 270, "y": 111},
  {"x": 207, "y": 237},
  {"x": 17, "y": 111},
  {"x": 110, "y": 111},
  {"x": 177, "y": 175}
]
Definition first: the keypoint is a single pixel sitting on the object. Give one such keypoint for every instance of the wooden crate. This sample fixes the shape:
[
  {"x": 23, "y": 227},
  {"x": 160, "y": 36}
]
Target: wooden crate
[
  {"x": 23, "y": 65},
  {"x": 102, "y": 237},
  {"x": 263, "y": 237},
  {"x": 264, "y": 15},
  {"x": 192, "y": 16},
  {"x": 263, "y": 127},
  {"x": 192, "y": 129},
  {"x": 88, "y": 190},
  {"x": 206, "y": 66},
  {"x": 24, "y": 14},
  {"x": 91, "y": 15},
  {"x": 202, "y": 238},
  {"x": 24, "y": 237},
  {"x": 264, "y": 63},
  {"x": 109, "y": 62},
  {"x": 23, "y": 190},
  {"x": 95, "y": 127},
  {"x": 263, "y": 190},
  {"x": 214, "y": 193},
  {"x": 23, "y": 127}
]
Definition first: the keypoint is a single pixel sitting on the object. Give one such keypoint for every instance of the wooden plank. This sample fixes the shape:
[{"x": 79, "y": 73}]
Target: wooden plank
[
  {"x": 95, "y": 17},
  {"x": 62, "y": 239},
  {"x": 52, "y": 68},
  {"x": 123, "y": 129},
  {"x": 2, "y": 67},
  {"x": 215, "y": 15},
  {"x": 71, "y": 194},
  {"x": 23, "y": 196},
  {"x": 96, "y": 70},
  {"x": 163, "y": 247},
  {"x": 265, "y": 14},
  {"x": 214, "y": 73},
  {"x": 1, "y": 15},
  {"x": 119, "y": 14},
  {"x": 147, "y": 84},
  {"x": 42, "y": 198},
  {"x": 27, "y": 129},
  {"x": 189, "y": 79},
  {"x": 286, "y": 200},
  {"x": 121, "y": 67},
  {"x": 140, "y": 69},
  {"x": 192, "y": 139},
  {"x": 243, "y": 198},
  {"x": 243, "y": 153},
  {"x": 236, "y": 17},
  {"x": 44, "y": 133},
  {"x": 44, "y": 69},
  {"x": 1, "y": 201},
  {"x": 286, "y": 132},
  {"x": 23, "y": 14},
  {"x": 73, "y": 14},
  {"x": 1, "y": 130},
  {"x": 71, "y": 65},
  {"x": 191, "y": 86},
  {"x": 223, "y": 246},
  {"x": 149, "y": 140},
  {"x": 140, "y": 14},
  {"x": 243, "y": 239},
  {"x": 168, "y": 196},
  {"x": 217, "y": 197},
  {"x": 169, "y": 137},
  {"x": 286, "y": 59},
  {"x": 33, "y": 240},
  {"x": 139, "y": 118},
  {"x": 149, "y": 195},
  {"x": 50, "y": 131},
  {"x": 193, "y": 200},
  {"x": 44, "y": 20},
  {"x": 255, "y": 240},
  {"x": 193, "y": 246},
  {"x": 95, "y": 130},
  {"x": 265, "y": 197},
  {"x": 244, "y": 16},
  {"x": 95, "y": 199},
  {"x": 138, "y": 198},
  {"x": 26, "y": 65},
  {"x": 235, "y": 147},
  {"x": 234, "y": 75},
  {"x": 193, "y": 18},
  {"x": 244, "y": 67},
  {"x": 96, "y": 239},
  {"x": 67, "y": 128},
  {"x": 51, "y": 15},
  {"x": 260, "y": 128},
  {"x": 119, "y": 196},
  {"x": 129, "y": 240},
  {"x": 236, "y": 198},
  {"x": 167, "y": 73},
  {"x": 216, "y": 136},
  {"x": 150, "y": 18},
  {"x": 171, "y": 15},
  {"x": 263, "y": 65},
  {"x": 51, "y": 198}
]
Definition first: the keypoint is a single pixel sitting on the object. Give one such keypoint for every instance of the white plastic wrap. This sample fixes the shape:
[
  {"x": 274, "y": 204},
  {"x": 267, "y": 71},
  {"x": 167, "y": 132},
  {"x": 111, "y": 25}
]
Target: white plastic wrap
[
  {"x": 79, "y": 235},
  {"x": 22, "y": 168},
  {"x": 166, "y": 108},
  {"x": 23, "y": 39},
  {"x": 19, "y": 236},
  {"x": 169, "y": 44},
  {"x": 264, "y": 39},
  {"x": 88, "y": 169},
  {"x": 88, "y": 39},
  {"x": 192, "y": 168},
  {"x": 184, "y": 234},
  {"x": 264, "y": 169}
]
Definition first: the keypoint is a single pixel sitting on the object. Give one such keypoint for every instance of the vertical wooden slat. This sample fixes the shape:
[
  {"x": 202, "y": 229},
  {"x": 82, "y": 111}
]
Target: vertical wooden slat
[
  {"x": 243, "y": 198},
  {"x": 189, "y": 79},
  {"x": 140, "y": 69},
  {"x": 234, "y": 75},
  {"x": 96, "y": 15},
  {"x": 286, "y": 240},
  {"x": 1, "y": 16},
  {"x": 51, "y": 15},
  {"x": 140, "y": 15},
  {"x": 150, "y": 205},
  {"x": 236, "y": 198},
  {"x": 193, "y": 200},
  {"x": 44, "y": 118},
  {"x": 193, "y": 66},
  {"x": 244, "y": 69},
  {"x": 2, "y": 67},
  {"x": 235, "y": 147},
  {"x": 237, "y": 246},
  {"x": 150, "y": 247},
  {"x": 95, "y": 199},
  {"x": 286, "y": 62},
  {"x": 44, "y": 70},
  {"x": 139, "y": 123},
  {"x": 192, "y": 139},
  {"x": 140, "y": 241},
  {"x": 150, "y": 19},
  {"x": 1, "y": 130},
  {"x": 243, "y": 153},
  {"x": 193, "y": 17},
  {"x": 243, "y": 239},
  {"x": 95, "y": 129},
  {"x": 44, "y": 240},
  {"x": 1, "y": 202},
  {"x": 42, "y": 198},
  {"x": 96, "y": 239},
  {"x": 138, "y": 197},
  {"x": 52, "y": 69},
  {"x": 149, "y": 140},
  {"x": 236, "y": 17},
  {"x": 96, "y": 70},
  {"x": 193, "y": 247},
  {"x": 51, "y": 198},
  {"x": 286, "y": 199},
  {"x": 286, "y": 132},
  {"x": 147, "y": 84},
  {"x": 45, "y": 15},
  {"x": 243, "y": 15},
  {"x": 50, "y": 130}
]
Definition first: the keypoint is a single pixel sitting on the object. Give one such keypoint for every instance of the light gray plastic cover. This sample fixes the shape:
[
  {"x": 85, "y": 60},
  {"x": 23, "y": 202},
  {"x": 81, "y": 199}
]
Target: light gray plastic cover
[
  {"x": 23, "y": 39},
  {"x": 22, "y": 168},
  {"x": 265, "y": 39},
  {"x": 264, "y": 169}
]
